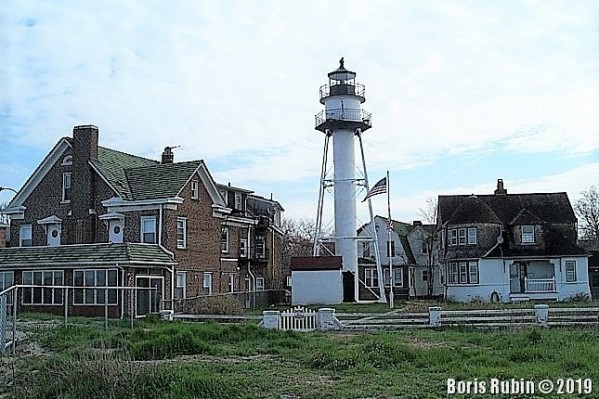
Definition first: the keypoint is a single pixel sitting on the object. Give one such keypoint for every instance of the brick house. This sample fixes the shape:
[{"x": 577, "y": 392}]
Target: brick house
[
  {"x": 510, "y": 247},
  {"x": 170, "y": 225}
]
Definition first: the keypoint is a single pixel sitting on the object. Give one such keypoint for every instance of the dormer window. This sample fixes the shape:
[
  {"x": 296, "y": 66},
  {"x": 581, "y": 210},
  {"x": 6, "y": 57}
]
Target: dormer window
[
  {"x": 238, "y": 202},
  {"x": 67, "y": 160},
  {"x": 528, "y": 234}
]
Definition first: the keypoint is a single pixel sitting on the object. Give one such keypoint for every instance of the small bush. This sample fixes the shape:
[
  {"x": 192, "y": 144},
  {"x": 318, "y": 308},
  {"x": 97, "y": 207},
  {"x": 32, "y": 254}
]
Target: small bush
[{"x": 220, "y": 305}]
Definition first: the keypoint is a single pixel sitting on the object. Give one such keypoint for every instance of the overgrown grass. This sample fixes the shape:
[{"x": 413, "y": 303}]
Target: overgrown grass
[{"x": 209, "y": 360}]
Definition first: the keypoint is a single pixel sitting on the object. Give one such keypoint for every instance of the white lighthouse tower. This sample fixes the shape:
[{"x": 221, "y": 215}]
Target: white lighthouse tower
[{"x": 344, "y": 120}]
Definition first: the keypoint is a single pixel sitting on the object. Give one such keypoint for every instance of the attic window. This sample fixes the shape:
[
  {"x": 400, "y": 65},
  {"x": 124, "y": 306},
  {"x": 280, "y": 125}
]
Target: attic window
[
  {"x": 195, "y": 189},
  {"x": 67, "y": 160},
  {"x": 528, "y": 234}
]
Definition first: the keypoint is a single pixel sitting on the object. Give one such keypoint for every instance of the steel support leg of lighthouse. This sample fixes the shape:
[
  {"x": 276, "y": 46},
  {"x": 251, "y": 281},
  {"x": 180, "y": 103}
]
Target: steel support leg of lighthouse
[{"x": 345, "y": 186}]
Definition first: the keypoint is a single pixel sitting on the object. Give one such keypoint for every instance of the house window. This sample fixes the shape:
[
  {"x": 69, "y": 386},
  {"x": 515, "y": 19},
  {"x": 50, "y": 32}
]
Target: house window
[
  {"x": 67, "y": 160},
  {"x": 570, "y": 271},
  {"x": 195, "y": 189},
  {"x": 181, "y": 233},
  {"x": 7, "y": 279},
  {"x": 528, "y": 234},
  {"x": 231, "y": 282},
  {"x": 95, "y": 278},
  {"x": 397, "y": 277},
  {"x": 238, "y": 204},
  {"x": 462, "y": 236},
  {"x": 207, "y": 284},
  {"x": 366, "y": 249},
  {"x": 260, "y": 248},
  {"x": 371, "y": 278},
  {"x": 472, "y": 236},
  {"x": 390, "y": 249},
  {"x": 453, "y": 237},
  {"x": 288, "y": 281},
  {"x": 464, "y": 272},
  {"x": 40, "y": 295},
  {"x": 224, "y": 194},
  {"x": 66, "y": 187},
  {"x": 25, "y": 236},
  {"x": 243, "y": 247},
  {"x": 224, "y": 240},
  {"x": 148, "y": 230},
  {"x": 425, "y": 275},
  {"x": 181, "y": 285},
  {"x": 259, "y": 283}
]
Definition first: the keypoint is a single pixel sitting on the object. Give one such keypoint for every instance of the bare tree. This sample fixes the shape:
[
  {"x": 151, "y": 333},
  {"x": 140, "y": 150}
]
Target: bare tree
[
  {"x": 298, "y": 239},
  {"x": 429, "y": 216},
  {"x": 3, "y": 216},
  {"x": 587, "y": 209}
]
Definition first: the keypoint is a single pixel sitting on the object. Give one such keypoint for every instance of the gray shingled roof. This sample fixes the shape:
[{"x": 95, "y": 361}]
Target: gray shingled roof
[
  {"x": 87, "y": 254},
  {"x": 550, "y": 207}
]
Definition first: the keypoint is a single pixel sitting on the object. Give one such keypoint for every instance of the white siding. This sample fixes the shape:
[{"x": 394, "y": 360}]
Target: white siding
[{"x": 316, "y": 287}]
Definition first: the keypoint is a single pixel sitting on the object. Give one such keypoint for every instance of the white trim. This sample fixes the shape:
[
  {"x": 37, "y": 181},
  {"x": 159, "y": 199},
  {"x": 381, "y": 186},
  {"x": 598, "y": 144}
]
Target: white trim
[
  {"x": 103, "y": 177},
  {"x": 21, "y": 227},
  {"x": 50, "y": 220},
  {"x": 64, "y": 199},
  {"x": 142, "y": 219},
  {"x": 40, "y": 173},
  {"x": 118, "y": 202},
  {"x": 111, "y": 216},
  {"x": 67, "y": 160},
  {"x": 204, "y": 286},
  {"x": 195, "y": 194}
]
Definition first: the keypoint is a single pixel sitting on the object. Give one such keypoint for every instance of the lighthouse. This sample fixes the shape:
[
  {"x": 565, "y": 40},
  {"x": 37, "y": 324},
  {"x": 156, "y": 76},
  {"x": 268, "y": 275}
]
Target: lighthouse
[{"x": 343, "y": 120}]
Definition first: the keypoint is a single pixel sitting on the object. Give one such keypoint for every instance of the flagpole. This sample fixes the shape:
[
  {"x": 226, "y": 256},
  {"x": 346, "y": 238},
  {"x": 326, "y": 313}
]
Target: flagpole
[{"x": 391, "y": 279}]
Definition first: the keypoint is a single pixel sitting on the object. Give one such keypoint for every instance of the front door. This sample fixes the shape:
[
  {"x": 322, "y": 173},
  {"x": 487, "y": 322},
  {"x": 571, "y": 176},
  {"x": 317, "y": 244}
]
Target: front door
[
  {"x": 148, "y": 298},
  {"x": 518, "y": 273}
]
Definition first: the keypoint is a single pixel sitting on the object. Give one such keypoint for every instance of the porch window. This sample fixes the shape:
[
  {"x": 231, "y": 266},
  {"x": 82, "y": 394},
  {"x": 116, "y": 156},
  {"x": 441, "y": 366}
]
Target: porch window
[
  {"x": 472, "y": 235},
  {"x": 371, "y": 278},
  {"x": 224, "y": 240},
  {"x": 181, "y": 286},
  {"x": 25, "y": 236},
  {"x": 66, "y": 187},
  {"x": 570, "y": 271},
  {"x": 40, "y": 295},
  {"x": 464, "y": 272},
  {"x": 207, "y": 284},
  {"x": 148, "y": 230},
  {"x": 195, "y": 189},
  {"x": 528, "y": 234},
  {"x": 181, "y": 233},
  {"x": 7, "y": 279},
  {"x": 95, "y": 278},
  {"x": 259, "y": 283},
  {"x": 397, "y": 277}
]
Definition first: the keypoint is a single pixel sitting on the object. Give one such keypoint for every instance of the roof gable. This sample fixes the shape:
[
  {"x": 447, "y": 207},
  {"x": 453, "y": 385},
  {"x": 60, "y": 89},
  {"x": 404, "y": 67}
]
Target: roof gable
[{"x": 39, "y": 173}]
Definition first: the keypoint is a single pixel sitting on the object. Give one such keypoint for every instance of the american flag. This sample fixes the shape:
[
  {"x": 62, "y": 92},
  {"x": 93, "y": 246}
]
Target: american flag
[{"x": 378, "y": 188}]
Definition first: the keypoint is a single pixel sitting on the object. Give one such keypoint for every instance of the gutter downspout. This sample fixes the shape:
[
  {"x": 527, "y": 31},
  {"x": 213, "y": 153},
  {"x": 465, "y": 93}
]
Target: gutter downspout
[
  {"x": 253, "y": 278},
  {"x": 121, "y": 294},
  {"x": 170, "y": 270}
]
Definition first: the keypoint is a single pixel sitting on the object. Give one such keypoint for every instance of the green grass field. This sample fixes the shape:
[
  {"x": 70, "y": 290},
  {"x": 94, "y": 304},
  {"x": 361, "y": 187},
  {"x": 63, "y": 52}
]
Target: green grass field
[{"x": 207, "y": 360}]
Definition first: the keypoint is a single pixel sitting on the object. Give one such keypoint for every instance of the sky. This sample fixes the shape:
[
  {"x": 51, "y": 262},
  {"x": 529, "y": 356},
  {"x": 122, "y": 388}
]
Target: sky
[{"x": 461, "y": 92}]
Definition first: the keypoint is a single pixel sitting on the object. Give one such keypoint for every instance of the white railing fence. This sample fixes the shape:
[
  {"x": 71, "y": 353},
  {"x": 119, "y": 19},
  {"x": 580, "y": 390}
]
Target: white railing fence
[{"x": 540, "y": 284}]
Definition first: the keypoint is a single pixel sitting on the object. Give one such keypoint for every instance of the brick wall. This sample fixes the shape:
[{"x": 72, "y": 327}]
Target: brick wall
[{"x": 3, "y": 235}]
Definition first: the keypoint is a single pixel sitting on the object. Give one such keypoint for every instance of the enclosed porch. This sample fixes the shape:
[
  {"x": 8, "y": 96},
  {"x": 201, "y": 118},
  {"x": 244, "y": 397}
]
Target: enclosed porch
[{"x": 533, "y": 279}]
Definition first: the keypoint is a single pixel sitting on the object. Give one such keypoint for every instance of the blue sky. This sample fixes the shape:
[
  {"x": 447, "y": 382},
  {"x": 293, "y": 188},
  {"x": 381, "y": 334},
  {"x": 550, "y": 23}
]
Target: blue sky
[{"x": 462, "y": 93}]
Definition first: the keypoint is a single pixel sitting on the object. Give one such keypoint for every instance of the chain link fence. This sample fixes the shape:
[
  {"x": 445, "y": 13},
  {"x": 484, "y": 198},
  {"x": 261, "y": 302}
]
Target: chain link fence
[{"x": 231, "y": 303}]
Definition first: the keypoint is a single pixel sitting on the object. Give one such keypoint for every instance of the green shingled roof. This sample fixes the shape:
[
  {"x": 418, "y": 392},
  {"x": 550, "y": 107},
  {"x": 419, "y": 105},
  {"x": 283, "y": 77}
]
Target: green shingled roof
[
  {"x": 112, "y": 165},
  {"x": 137, "y": 178},
  {"x": 161, "y": 180},
  {"x": 85, "y": 255}
]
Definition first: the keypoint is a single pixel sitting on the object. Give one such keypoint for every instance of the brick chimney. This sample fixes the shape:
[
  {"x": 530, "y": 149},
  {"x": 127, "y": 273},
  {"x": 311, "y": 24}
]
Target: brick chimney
[
  {"x": 417, "y": 223},
  {"x": 167, "y": 155},
  {"x": 83, "y": 182},
  {"x": 500, "y": 190}
]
